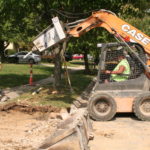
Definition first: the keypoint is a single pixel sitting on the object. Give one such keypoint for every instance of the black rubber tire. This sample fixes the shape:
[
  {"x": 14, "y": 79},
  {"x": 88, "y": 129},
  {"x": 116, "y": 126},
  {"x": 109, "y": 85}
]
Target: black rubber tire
[
  {"x": 31, "y": 61},
  {"x": 104, "y": 101},
  {"x": 139, "y": 107}
]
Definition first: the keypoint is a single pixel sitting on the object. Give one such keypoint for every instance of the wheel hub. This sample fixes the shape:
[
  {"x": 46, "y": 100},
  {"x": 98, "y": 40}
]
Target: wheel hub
[
  {"x": 145, "y": 106},
  {"x": 102, "y": 106}
]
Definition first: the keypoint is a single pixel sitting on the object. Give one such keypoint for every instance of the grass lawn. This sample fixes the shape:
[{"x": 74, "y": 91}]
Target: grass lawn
[
  {"x": 13, "y": 75},
  {"x": 63, "y": 99},
  {"x": 75, "y": 63},
  {"x": 17, "y": 74}
]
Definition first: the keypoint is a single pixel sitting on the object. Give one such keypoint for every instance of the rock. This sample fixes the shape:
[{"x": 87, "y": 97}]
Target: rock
[
  {"x": 54, "y": 92},
  {"x": 4, "y": 98},
  {"x": 63, "y": 114},
  {"x": 53, "y": 115},
  {"x": 37, "y": 91},
  {"x": 73, "y": 109},
  {"x": 1, "y": 93},
  {"x": 12, "y": 95}
]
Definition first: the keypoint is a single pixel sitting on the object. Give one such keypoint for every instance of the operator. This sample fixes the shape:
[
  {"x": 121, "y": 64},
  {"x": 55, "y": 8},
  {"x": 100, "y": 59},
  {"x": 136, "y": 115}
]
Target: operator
[{"x": 122, "y": 71}]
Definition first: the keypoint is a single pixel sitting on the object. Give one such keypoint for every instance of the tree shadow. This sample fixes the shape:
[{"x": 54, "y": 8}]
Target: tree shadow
[
  {"x": 80, "y": 81},
  {"x": 77, "y": 62},
  {"x": 44, "y": 68},
  {"x": 12, "y": 80},
  {"x": 62, "y": 100}
]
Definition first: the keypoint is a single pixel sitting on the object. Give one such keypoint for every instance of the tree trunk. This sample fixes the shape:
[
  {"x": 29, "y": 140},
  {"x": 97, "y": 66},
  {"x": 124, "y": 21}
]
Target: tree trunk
[
  {"x": 2, "y": 48},
  {"x": 57, "y": 68}
]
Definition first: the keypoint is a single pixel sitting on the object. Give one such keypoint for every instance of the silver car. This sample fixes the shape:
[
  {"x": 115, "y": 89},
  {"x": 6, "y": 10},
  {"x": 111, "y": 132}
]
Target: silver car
[{"x": 20, "y": 58}]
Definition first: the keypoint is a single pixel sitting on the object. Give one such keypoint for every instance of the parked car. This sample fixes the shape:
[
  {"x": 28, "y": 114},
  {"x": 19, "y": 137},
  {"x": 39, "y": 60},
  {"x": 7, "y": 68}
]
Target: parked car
[
  {"x": 19, "y": 58},
  {"x": 77, "y": 56}
]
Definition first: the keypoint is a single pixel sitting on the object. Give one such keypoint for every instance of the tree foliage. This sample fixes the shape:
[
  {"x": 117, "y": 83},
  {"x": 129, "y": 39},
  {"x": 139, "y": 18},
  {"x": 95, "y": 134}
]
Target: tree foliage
[{"x": 22, "y": 20}]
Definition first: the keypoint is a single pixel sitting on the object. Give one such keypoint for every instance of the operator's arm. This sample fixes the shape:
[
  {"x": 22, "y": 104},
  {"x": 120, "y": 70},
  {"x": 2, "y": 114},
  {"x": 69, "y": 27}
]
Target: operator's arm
[{"x": 119, "y": 71}]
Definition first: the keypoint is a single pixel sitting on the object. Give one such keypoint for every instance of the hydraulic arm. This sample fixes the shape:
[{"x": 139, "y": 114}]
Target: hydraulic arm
[{"x": 114, "y": 25}]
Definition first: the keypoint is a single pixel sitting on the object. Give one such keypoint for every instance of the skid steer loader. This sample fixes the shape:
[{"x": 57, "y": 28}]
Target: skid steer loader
[{"x": 102, "y": 101}]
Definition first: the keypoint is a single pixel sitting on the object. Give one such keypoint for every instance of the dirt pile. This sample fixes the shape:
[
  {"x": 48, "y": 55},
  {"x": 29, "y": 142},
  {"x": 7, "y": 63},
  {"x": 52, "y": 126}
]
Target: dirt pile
[
  {"x": 23, "y": 107},
  {"x": 25, "y": 127}
]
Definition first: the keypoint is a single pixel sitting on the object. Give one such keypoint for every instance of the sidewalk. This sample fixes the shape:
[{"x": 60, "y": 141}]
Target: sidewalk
[{"x": 80, "y": 67}]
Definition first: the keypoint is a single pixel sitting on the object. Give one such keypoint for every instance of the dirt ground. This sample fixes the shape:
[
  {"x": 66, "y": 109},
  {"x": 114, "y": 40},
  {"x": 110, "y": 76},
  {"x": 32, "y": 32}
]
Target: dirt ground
[
  {"x": 23, "y": 128},
  {"x": 125, "y": 132}
]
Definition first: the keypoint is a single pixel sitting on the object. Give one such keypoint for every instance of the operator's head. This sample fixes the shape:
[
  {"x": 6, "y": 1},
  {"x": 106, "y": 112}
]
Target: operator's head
[{"x": 120, "y": 55}]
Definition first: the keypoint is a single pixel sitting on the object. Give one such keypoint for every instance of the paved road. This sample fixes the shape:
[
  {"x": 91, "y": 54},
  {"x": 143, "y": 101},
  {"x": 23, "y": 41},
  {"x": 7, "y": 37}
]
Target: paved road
[{"x": 125, "y": 132}]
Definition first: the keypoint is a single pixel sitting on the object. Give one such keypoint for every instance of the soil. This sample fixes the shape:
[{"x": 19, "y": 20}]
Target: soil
[
  {"x": 125, "y": 132},
  {"x": 24, "y": 107},
  {"x": 24, "y": 127}
]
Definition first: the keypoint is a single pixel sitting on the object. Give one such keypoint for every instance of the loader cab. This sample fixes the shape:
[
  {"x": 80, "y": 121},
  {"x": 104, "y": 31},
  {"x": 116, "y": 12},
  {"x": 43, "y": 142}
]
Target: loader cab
[
  {"x": 131, "y": 95},
  {"x": 108, "y": 61}
]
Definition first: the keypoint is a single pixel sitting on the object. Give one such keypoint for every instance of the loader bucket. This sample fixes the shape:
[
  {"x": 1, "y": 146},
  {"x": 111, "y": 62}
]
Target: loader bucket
[{"x": 72, "y": 134}]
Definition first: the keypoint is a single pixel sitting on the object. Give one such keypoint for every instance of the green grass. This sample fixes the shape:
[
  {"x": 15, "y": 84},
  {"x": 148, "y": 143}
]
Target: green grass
[
  {"x": 75, "y": 63},
  {"x": 79, "y": 82},
  {"x": 13, "y": 75},
  {"x": 65, "y": 97}
]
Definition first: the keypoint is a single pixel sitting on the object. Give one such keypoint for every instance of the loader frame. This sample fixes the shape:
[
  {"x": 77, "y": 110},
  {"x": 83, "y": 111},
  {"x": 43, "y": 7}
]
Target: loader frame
[{"x": 120, "y": 97}]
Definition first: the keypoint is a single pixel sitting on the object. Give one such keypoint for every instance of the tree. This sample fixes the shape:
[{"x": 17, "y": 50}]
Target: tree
[{"x": 22, "y": 20}]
